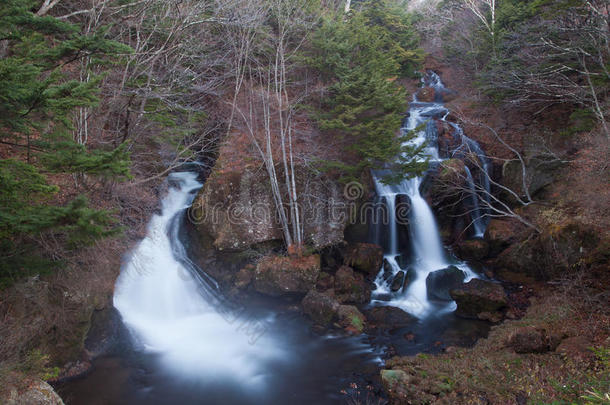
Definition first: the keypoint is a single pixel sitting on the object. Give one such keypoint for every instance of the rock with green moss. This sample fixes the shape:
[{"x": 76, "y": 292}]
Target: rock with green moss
[
  {"x": 403, "y": 388},
  {"x": 351, "y": 319},
  {"x": 279, "y": 275}
]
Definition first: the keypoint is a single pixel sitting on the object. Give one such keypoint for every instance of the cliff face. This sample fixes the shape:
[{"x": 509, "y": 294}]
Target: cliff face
[{"x": 235, "y": 208}]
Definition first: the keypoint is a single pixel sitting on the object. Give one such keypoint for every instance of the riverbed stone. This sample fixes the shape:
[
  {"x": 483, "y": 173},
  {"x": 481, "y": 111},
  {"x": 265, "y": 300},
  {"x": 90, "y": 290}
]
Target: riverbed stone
[
  {"x": 398, "y": 281},
  {"x": 440, "y": 282},
  {"x": 480, "y": 299},
  {"x": 387, "y": 317},
  {"x": 320, "y": 307},
  {"x": 279, "y": 275}
]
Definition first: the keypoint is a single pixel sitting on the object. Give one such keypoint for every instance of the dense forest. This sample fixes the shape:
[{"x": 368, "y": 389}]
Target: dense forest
[{"x": 298, "y": 122}]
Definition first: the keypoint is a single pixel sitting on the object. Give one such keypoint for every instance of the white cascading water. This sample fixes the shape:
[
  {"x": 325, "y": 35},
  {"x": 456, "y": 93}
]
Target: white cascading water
[
  {"x": 427, "y": 251},
  {"x": 173, "y": 312}
]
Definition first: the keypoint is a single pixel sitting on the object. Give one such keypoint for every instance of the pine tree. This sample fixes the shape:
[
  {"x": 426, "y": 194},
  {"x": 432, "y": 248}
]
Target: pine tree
[
  {"x": 37, "y": 100},
  {"x": 361, "y": 57}
]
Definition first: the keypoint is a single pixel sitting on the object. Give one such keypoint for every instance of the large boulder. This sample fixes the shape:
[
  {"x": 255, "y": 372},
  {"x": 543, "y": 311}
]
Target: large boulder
[
  {"x": 440, "y": 282},
  {"x": 37, "y": 392},
  {"x": 480, "y": 299},
  {"x": 501, "y": 233},
  {"x": 559, "y": 249},
  {"x": 472, "y": 249},
  {"x": 323, "y": 309},
  {"x": 386, "y": 317},
  {"x": 320, "y": 307},
  {"x": 325, "y": 282},
  {"x": 351, "y": 287},
  {"x": 278, "y": 275},
  {"x": 364, "y": 257},
  {"x": 104, "y": 332}
]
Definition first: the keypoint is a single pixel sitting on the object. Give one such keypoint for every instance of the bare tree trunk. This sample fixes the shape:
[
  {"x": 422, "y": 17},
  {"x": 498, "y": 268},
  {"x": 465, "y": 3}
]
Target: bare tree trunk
[{"x": 46, "y": 7}]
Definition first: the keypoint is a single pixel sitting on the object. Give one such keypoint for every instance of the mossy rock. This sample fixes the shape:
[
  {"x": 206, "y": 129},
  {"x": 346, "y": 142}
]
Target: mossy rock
[{"x": 351, "y": 319}]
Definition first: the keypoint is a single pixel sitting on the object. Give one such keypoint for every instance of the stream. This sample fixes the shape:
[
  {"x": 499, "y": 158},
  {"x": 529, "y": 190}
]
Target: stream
[{"x": 181, "y": 342}]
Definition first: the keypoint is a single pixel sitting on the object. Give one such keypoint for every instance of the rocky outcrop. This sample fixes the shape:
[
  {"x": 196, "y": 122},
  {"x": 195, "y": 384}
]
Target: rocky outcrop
[
  {"x": 402, "y": 214},
  {"x": 440, "y": 282},
  {"x": 235, "y": 208},
  {"x": 480, "y": 299},
  {"x": 351, "y": 287},
  {"x": 540, "y": 171},
  {"x": 449, "y": 174},
  {"x": 560, "y": 248},
  {"x": 278, "y": 275},
  {"x": 364, "y": 257}
]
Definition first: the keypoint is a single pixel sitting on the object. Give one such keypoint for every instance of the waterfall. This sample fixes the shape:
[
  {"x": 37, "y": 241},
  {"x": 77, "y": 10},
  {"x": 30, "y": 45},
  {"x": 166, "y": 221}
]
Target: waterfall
[
  {"x": 477, "y": 222},
  {"x": 175, "y": 312},
  {"x": 427, "y": 251}
]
